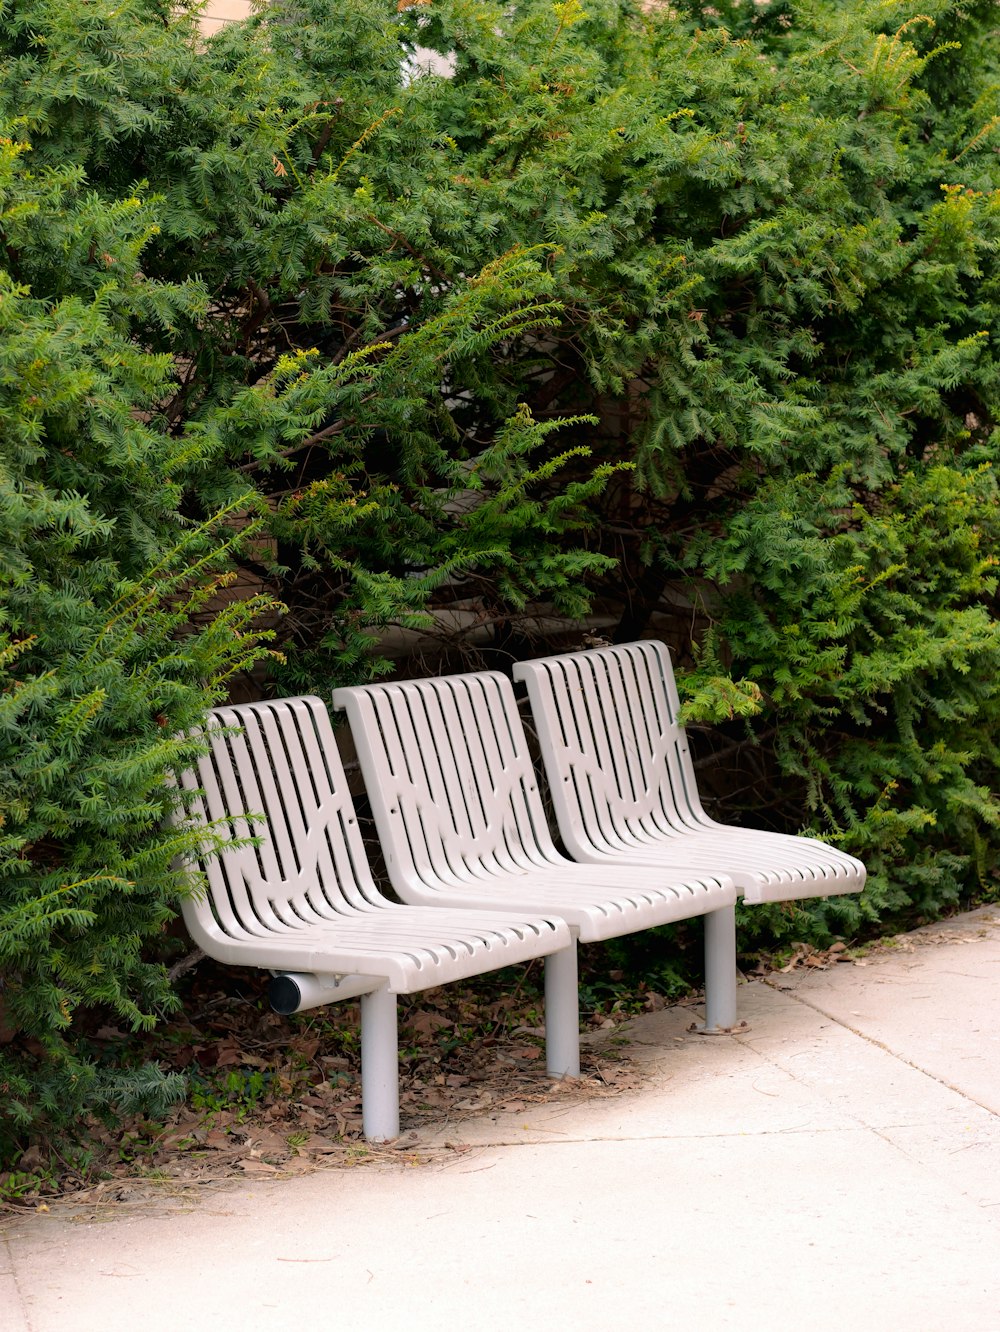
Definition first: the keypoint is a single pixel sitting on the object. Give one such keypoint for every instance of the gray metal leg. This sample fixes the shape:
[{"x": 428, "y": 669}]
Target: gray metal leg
[
  {"x": 720, "y": 968},
  {"x": 379, "y": 1066},
  {"x": 562, "y": 1014}
]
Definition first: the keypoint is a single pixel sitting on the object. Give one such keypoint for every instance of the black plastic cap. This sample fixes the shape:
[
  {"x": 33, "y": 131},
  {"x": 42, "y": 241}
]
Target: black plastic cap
[{"x": 284, "y": 995}]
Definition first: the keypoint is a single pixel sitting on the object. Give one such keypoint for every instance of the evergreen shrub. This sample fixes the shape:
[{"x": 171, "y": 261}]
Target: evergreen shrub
[
  {"x": 217, "y": 360},
  {"x": 778, "y": 230},
  {"x": 100, "y": 575},
  {"x": 684, "y": 312}
]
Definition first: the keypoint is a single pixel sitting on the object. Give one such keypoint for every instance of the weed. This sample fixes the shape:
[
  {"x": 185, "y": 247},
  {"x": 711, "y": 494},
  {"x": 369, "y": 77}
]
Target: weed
[{"x": 238, "y": 1092}]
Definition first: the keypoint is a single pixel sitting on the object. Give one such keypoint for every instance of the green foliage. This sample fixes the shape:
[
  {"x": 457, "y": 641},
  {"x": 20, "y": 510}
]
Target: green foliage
[
  {"x": 221, "y": 355},
  {"x": 778, "y": 237},
  {"x": 238, "y": 1091},
  {"x": 778, "y": 233},
  {"x": 101, "y": 579},
  {"x": 337, "y": 348},
  {"x": 687, "y": 311}
]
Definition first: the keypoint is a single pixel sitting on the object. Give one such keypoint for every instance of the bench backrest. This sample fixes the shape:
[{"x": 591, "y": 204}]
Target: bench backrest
[
  {"x": 279, "y": 760},
  {"x": 450, "y": 778},
  {"x": 616, "y": 756}
]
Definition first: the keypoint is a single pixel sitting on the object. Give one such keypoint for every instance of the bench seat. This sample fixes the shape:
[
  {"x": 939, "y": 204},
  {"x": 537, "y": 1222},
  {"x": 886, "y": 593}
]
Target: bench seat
[
  {"x": 455, "y": 799},
  {"x": 291, "y": 891},
  {"x": 623, "y": 784}
]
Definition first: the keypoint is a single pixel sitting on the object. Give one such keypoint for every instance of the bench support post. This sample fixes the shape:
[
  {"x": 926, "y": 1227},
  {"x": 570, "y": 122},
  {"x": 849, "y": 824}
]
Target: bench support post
[
  {"x": 379, "y": 1066},
  {"x": 562, "y": 1014},
  {"x": 720, "y": 969}
]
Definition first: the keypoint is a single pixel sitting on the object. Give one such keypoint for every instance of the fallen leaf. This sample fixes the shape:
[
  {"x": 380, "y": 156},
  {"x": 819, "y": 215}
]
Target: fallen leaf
[
  {"x": 526, "y": 1052},
  {"x": 307, "y": 1047},
  {"x": 318, "y": 1144},
  {"x": 479, "y": 1102},
  {"x": 254, "y": 1167},
  {"x": 265, "y": 1142},
  {"x": 227, "y": 1053},
  {"x": 426, "y": 1023}
]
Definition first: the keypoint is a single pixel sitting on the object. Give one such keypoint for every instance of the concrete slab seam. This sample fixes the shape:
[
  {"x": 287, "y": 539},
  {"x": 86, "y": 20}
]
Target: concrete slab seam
[
  {"x": 792, "y": 1132},
  {"x": 880, "y": 1045}
]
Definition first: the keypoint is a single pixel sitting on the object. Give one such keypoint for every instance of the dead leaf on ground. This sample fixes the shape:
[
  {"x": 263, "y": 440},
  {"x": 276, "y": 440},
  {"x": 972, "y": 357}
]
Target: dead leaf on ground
[
  {"x": 252, "y": 1166},
  {"x": 299, "y": 1106}
]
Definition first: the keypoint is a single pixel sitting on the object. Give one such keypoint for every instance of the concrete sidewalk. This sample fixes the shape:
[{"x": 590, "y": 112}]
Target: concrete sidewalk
[{"x": 835, "y": 1165}]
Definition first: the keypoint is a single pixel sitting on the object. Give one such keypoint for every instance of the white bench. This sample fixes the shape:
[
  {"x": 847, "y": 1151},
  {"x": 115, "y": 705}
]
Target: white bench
[
  {"x": 455, "y": 799},
  {"x": 302, "y": 902},
  {"x": 623, "y": 784}
]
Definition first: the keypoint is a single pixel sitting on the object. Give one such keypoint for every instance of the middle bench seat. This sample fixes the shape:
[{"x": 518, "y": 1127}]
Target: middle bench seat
[{"x": 455, "y": 799}]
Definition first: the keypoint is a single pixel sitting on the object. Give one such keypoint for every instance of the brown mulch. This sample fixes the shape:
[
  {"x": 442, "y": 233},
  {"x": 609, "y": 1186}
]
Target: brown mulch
[
  {"x": 805, "y": 956},
  {"x": 272, "y": 1097}
]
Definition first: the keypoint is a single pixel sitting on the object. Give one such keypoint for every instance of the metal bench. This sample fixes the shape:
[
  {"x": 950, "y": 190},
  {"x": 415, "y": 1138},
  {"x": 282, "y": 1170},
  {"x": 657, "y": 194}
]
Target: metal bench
[
  {"x": 292, "y": 892},
  {"x": 623, "y": 784},
  {"x": 455, "y": 799}
]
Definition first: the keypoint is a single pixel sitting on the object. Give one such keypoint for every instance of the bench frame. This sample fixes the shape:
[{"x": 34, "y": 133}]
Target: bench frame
[{"x": 455, "y": 798}]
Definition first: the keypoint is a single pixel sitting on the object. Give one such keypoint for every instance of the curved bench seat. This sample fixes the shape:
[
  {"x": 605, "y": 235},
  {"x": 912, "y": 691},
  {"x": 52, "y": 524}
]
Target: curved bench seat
[
  {"x": 454, "y": 795},
  {"x": 288, "y": 888},
  {"x": 623, "y": 784}
]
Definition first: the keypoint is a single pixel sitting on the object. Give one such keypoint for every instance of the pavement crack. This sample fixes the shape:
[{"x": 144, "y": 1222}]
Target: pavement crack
[{"x": 881, "y": 1045}]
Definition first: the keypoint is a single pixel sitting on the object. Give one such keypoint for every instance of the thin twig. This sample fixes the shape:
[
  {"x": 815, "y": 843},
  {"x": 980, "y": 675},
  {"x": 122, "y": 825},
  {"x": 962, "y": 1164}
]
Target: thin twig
[{"x": 186, "y": 964}]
